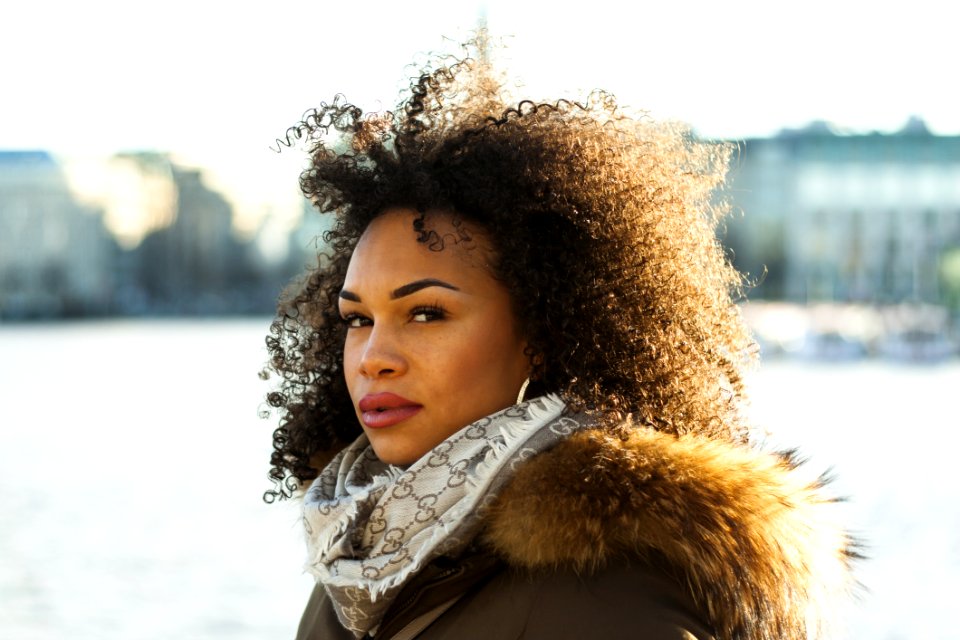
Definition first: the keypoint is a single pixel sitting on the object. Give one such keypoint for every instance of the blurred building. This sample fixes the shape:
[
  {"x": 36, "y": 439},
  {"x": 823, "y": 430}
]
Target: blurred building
[
  {"x": 56, "y": 257},
  {"x": 848, "y": 218},
  {"x": 197, "y": 264},
  {"x": 178, "y": 253}
]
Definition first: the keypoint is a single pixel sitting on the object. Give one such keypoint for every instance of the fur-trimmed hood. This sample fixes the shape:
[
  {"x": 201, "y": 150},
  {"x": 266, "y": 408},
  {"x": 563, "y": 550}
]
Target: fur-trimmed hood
[{"x": 753, "y": 538}]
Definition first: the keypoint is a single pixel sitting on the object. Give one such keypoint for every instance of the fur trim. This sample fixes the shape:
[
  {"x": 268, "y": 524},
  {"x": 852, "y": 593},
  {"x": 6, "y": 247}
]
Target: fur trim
[{"x": 754, "y": 540}]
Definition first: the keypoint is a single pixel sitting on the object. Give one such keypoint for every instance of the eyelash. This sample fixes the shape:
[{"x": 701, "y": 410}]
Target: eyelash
[
  {"x": 433, "y": 313},
  {"x": 349, "y": 319}
]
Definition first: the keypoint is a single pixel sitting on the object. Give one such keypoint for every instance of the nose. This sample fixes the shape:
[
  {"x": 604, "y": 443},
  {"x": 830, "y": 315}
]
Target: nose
[{"x": 381, "y": 356}]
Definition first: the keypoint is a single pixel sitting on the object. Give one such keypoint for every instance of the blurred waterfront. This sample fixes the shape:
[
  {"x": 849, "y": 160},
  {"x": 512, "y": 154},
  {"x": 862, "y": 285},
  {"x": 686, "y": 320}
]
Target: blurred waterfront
[
  {"x": 856, "y": 237},
  {"x": 132, "y": 462}
]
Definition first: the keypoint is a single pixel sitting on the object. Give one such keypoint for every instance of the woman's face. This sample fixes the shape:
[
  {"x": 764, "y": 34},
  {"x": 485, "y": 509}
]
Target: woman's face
[{"x": 432, "y": 343}]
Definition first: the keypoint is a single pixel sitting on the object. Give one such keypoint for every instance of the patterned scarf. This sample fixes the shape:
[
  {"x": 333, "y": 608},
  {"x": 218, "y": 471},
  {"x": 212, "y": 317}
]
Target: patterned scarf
[{"x": 372, "y": 526}]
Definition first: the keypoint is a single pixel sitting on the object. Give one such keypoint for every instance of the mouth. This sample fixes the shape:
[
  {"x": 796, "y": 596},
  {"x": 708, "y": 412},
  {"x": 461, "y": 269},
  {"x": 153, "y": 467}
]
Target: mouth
[{"x": 380, "y": 410}]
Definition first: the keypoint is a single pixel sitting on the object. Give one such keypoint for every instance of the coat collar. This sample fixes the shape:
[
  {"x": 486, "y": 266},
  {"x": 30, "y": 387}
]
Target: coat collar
[{"x": 753, "y": 538}]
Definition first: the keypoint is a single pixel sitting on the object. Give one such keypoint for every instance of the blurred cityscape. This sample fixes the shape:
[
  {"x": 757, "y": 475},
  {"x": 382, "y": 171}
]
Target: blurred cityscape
[
  {"x": 852, "y": 242},
  {"x": 185, "y": 257}
]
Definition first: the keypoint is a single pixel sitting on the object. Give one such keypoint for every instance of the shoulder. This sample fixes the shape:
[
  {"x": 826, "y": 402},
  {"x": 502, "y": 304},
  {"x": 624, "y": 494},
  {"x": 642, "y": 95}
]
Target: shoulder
[
  {"x": 618, "y": 601},
  {"x": 752, "y": 541}
]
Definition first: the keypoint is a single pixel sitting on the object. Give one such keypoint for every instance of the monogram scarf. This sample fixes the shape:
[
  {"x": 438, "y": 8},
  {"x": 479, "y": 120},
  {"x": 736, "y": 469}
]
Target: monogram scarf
[{"x": 372, "y": 526}]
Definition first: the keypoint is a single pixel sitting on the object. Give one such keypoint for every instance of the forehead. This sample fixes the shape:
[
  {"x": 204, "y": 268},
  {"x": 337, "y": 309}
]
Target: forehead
[{"x": 389, "y": 251}]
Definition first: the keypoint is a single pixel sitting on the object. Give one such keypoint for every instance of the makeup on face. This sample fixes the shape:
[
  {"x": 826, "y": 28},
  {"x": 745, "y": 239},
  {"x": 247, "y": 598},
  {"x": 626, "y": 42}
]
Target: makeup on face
[
  {"x": 381, "y": 410},
  {"x": 431, "y": 342}
]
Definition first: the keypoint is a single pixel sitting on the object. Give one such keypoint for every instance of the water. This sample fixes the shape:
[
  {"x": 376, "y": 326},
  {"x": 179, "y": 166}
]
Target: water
[
  {"x": 132, "y": 462},
  {"x": 889, "y": 433}
]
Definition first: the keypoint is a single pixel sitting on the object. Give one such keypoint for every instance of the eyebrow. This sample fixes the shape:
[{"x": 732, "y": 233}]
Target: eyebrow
[{"x": 404, "y": 290}]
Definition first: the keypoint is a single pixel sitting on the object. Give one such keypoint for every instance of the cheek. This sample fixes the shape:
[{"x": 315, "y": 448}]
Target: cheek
[
  {"x": 495, "y": 352},
  {"x": 351, "y": 360}
]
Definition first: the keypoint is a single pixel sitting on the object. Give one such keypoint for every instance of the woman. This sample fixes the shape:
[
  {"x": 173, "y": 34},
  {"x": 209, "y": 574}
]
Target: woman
[{"x": 510, "y": 394}]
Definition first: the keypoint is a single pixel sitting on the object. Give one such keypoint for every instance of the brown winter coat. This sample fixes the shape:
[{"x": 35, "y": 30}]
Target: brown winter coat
[{"x": 653, "y": 536}]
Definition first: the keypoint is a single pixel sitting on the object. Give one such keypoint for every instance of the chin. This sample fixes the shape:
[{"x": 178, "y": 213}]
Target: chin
[
  {"x": 396, "y": 458},
  {"x": 395, "y": 453}
]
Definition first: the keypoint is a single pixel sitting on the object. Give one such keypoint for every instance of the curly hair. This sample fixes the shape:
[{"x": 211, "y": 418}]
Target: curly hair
[{"x": 603, "y": 231}]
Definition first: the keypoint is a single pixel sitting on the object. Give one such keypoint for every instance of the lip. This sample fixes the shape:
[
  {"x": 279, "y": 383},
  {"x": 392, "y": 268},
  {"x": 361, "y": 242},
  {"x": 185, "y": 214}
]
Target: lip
[{"x": 380, "y": 410}]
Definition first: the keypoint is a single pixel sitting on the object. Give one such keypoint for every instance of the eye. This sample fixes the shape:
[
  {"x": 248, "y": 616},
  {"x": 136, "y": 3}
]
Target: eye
[
  {"x": 355, "y": 321},
  {"x": 427, "y": 314}
]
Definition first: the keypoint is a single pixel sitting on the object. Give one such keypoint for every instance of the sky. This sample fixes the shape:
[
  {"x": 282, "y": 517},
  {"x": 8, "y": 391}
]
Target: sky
[{"x": 214, "y": 83}]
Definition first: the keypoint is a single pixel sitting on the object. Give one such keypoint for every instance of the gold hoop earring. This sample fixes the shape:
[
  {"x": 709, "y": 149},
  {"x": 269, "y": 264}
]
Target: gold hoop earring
[{"x": 523, "y": 390}]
